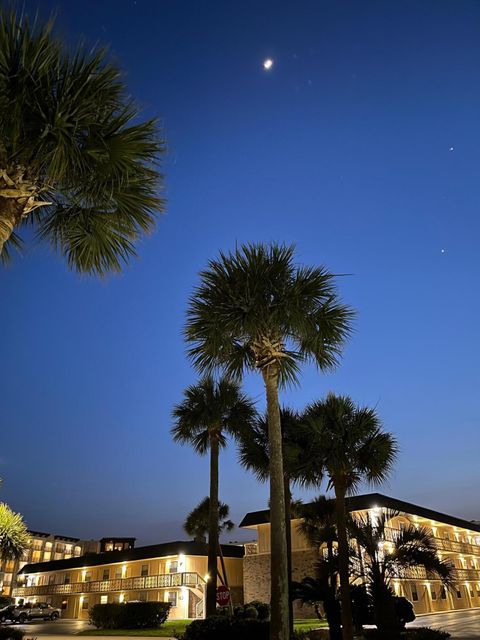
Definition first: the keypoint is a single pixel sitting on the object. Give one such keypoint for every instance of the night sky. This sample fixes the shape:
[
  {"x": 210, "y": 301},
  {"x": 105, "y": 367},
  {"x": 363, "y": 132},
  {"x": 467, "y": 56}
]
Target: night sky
[{"x": 361, "y": 145}]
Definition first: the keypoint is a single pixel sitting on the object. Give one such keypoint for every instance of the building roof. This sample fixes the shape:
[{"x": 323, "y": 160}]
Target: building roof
[
  {"x": 117, "y": 539},
  {"x": 42, "y": 534},
  {"x": 370, "y": 500},
  {"x": 188, "y": 548}
]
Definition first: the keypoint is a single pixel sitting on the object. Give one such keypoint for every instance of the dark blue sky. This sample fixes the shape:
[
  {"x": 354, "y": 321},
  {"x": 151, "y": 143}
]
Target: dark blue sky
[{"x": 362, "y": 146}]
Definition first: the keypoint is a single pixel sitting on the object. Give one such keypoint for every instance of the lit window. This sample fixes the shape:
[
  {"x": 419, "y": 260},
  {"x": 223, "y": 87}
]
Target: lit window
[
  {"x": 173, "y": 567},
  {"x": 103, "y": 599},
  {"x": 172, "y": 598},
  {"x": 85, "y": 603},
  {"x": 118, "y": 572},
  {"x": 88, "y": 576}
]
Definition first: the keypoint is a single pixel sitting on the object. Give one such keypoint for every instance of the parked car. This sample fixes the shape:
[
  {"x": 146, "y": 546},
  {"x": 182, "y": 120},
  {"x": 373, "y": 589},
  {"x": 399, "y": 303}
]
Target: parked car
[{"x": 30, "y": 611}]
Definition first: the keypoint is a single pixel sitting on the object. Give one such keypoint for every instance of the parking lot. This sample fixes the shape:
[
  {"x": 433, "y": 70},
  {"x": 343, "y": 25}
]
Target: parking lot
[{"x": 463, "y": 625}]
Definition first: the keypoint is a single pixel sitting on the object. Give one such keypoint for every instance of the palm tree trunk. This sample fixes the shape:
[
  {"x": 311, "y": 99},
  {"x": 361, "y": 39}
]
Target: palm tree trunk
[
  {"x": 279, "y": 625},
  {"x": 211, "y": 597},
  {"x": 8, "y": 217},
  {"x": 225, "y": 577},
  {"x": 343, "y": 560},
  {"x": 288, "y": 529}
]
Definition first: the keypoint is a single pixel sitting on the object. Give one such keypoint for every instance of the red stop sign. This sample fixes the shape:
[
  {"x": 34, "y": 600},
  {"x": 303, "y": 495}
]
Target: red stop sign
[{"x": 223, "y": 595}]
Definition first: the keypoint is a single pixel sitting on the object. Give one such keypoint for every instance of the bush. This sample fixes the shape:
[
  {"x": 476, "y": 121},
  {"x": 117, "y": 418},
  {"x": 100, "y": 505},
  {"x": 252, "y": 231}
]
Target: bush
[
  {"x": 254, "y": 610},
  {"x": 10, "y": 633},
  {"x": 131, "y": 615},
  {"x": 224, "y": 628}
]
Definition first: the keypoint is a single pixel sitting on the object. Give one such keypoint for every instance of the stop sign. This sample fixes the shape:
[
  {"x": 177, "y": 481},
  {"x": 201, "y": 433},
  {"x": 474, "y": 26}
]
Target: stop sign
[{"x": 223, "y": 595}]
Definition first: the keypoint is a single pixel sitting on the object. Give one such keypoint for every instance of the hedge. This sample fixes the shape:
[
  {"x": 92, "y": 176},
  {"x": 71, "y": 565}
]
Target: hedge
[
  {"x": 130, "y": 615},
  {"x": 10, "y": 633},
  {"x": 224, "y": 628}
]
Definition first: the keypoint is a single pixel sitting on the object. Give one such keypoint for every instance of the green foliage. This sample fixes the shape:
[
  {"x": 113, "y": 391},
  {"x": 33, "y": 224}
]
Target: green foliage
[
  {"x": 10, "y": 633},
  {"x": 196, "y": 523},
  {"x": 129, "y": 615},
  {"x": 254, "y": 610},
  {"x": 13, "y": 534},
  {"x": 211, "y": 409},
  {"x": 223, "y": 627},
  {"x": 70, "y": 131},
  {"x": 348, "y": 443},
  {"x": 255, "y": 309}
]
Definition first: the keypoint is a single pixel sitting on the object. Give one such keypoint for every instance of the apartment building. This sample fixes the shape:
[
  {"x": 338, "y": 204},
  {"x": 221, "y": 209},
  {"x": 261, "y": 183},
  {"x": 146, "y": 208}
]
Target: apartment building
[
  {"x": 43, "y": 547},
  {"x": 174, "y": 572},
  {"x": 457, "y": 541}
]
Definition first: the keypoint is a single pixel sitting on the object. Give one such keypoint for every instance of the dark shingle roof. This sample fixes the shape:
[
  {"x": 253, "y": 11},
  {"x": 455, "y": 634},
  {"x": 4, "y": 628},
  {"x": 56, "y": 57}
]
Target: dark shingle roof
[
  {"x": 369, "y": 500},
  {"x": 188, "y": 548}
]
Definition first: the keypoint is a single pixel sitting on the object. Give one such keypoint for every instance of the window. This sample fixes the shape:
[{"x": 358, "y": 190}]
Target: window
[
  {"x": 88, "y": 576},
  {"x": 478, "y": 592},
  {"x": 103, "y": 599},
  {"x": 434, "y": 594},
  {"x": 443, "y": 593},
  {"x": 109, "y": 546},
  {"x": 144, "y": 570},
  {"x": 143, "y": 596},
  {"x": 472, "y": 593},
  {"x": 66, "y": 579},
  {"x": 46, "y": 556},
  {"x": 459, "y": 593},
  {"x": 172, "y": 598},
  {"x": 414, "y": 593},
  {"x": 118, "y": 572},
  {"x": 119, "y": 546},
  {"x": 85, "y": 603},
  {"x": 173, "y": 567},
  {"x": 51, "y": 579},
  {"x": 106, "y": 574}
]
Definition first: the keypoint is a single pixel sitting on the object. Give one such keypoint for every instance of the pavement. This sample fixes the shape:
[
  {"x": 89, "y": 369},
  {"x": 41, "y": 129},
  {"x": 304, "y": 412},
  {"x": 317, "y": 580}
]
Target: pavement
[{"x": 462, "y": 625}]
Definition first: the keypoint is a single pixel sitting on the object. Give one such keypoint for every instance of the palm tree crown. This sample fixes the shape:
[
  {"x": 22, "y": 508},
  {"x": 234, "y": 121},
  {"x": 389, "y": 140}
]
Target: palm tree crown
[
  {"x": 74, "y": 158},
  {"x": 255, "y": 308},
  {"x": 197, "y": 521},
  {"x": 211, "y": 409},
  {"x": 347, "y": 442},
  {"x": 13, "y": 534}
]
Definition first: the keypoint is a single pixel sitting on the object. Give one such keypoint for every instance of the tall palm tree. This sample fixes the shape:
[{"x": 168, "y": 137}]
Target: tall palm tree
[
  {"x": 75, "y": 160},
  {"x": 387, "y": 553},
  {"x": 209, "y": 411},
  {"x": 197, "y": 524},
  {"x": 348, "y": 444},
  {"x": 256, "y": 310},
  {"x": 254, "y": 455}
]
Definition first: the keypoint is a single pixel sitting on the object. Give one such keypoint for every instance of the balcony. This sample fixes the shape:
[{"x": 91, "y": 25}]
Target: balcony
[{"x": 144, "y": 583}]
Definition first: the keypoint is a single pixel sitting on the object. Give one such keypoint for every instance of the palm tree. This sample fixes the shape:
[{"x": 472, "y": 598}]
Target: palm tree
[
  {"x": 13, "y": 535},
  {"x": 197, "y": 524},
  {"x": 208, "y": 412},
  {"x": 253, "y": 453},
  {"x": 388, "y": 554},
  {"x": 75, "y": 160},
  {"x": 256, "y": 310},
  {"x": 318, "y": 525},
  {"x": 349, "y": 446}
]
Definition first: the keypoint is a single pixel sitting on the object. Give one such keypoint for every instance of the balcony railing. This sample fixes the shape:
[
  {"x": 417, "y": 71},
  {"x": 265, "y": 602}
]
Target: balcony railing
[
  {"x": 442, "y": 544},
  {"x": 144, "y": 583}
]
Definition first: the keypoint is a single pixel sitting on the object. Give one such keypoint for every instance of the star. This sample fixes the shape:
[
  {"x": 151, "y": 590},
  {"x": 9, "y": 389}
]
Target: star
[
  {"x": 267, "y": 64},
  {"x": 450, "y": 149},
  {"x": 442, "y": 250}
]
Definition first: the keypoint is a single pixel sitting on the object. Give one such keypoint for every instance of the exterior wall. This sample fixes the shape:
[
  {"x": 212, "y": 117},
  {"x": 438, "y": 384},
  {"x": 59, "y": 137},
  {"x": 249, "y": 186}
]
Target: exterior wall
[
  {"x": 459, "y": 546},
  {"x": 179, "y": 579},
  {"x": 43, "y": 547}
]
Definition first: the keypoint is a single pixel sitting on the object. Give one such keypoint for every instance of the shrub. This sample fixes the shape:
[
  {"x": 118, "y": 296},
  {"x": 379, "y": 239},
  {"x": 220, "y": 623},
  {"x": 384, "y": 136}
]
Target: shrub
[
  {"x": 224, "y": 628},
  {"x": 254, "y": 610},
  {"x": 131, "y": 615},
  {"x": 10, "y": 633}
]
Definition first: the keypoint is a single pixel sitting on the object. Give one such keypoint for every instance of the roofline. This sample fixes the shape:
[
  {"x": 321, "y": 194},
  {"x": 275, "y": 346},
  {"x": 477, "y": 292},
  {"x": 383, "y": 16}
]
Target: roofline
[
  {"x": 150, "y": 552},
  {"x": 43, "y": 534},
  {"x": 368, "y": 501}
]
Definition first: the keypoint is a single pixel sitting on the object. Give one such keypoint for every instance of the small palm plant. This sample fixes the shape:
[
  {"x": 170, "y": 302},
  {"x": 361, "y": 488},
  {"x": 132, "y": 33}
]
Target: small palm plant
[
  {"x": 75, "y": 159},
  {"x": 386, "y": 554},
  {"x": 209, "y": 411},
  {"x": 13, "y": 534},
  {"x": 256, "y": 310},
  {"x": 197, "y": 524},
  {"x": 348, "y": 446}
]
